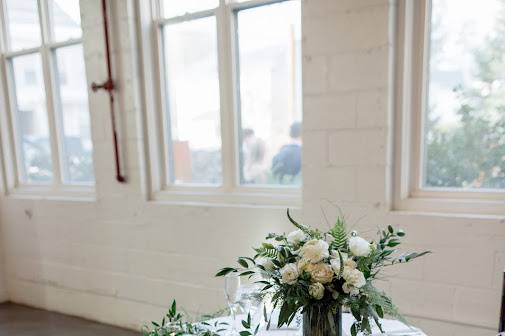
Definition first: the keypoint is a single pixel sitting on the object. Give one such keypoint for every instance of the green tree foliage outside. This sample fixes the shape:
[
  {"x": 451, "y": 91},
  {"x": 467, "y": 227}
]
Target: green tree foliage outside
[{"x": 472, "y": 155}]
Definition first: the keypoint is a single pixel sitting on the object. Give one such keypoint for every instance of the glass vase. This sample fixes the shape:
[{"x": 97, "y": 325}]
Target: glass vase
[{"x": 322, "y": 321}]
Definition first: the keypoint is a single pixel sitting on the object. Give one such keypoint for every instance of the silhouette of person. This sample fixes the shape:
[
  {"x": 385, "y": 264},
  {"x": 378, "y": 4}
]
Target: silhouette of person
[
  {"x": 253, "y": 149},
  {"x": 288, "y": 162}
]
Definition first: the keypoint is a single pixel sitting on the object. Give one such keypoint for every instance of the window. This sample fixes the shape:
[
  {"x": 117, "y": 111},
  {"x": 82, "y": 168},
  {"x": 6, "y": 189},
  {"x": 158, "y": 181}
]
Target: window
[
  {"x": 227, "y": 95},
  {"x": 270, "y": 100},
  {"x": 464, "y": 137},
  {"x": 454, "y": 104},
  {"x": 47, "y": 92}
]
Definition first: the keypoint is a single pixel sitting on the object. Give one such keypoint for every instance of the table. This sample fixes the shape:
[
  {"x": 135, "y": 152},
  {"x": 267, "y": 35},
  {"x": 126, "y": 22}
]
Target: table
[{"x": 391, "y": 327}]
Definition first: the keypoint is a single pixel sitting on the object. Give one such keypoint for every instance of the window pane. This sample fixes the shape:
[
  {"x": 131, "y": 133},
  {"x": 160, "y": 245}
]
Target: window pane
[
  {"x": 270, "y": 94},
  {"x": 73, "y": 102},
  {"x": 173, "y": 8},
  {"x": 23, "y": 24},
  {"x": 65, "y": 18},
  {"x": 465, "y": 117},
  {"x": 31, "y": 116},
  {"x": 193, "y": 101}
]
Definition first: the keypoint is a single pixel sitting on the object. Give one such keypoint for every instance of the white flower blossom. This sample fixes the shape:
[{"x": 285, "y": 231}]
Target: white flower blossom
[
  {"x": 289, "y": 274},
  {"x": 302, "y": 265},
  {"x": 335, "y": 266},
  {"x": 316, "y": 290},
  {"x": 349, "y": 289},
  {"x": 335, "y": 262},
  {"x": 359, "y": 247},
  {"x": 354, "y": 277},
  {"x": 334, "y": 255},
  {"x": 315, "y": 250},
  {"x": 296, "y": 237},
  {"x": 349, "y": 263},
  {"x": 320, "y": 272}
]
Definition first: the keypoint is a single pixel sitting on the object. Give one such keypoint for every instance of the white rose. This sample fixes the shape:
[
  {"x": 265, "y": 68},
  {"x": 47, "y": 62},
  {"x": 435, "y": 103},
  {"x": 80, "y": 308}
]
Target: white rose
[
  {"x": 296, "y": 237},
  {"x": 349, "y": 289},
  {"x": 302, "y": 265},
  {"x": 315, "y": 250},
  {"x": 334, "y": 254},
  {"x": 335, "y": 262},
  {"x": 354, "y": 277},
  {"x": 266, "y": 263},
  {"x": 349, "y": 263},
  {"x": 359, "y": 246},
  {"x": 316, "y": 290},
  {"x": 289, "y": 274},
  {"x": 335, "y": 266},
  {"x": 320, "y": 273}
]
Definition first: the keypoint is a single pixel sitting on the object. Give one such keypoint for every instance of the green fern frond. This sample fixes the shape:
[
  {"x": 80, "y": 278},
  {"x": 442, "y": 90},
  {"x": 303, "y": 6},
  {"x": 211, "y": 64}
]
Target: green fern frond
[
  {"x": 339, "y": 234},
  {"x": 267, "y": 251}
]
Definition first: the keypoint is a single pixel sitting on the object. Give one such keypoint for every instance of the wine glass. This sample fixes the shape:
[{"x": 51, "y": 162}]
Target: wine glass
[
  {"x": 231, "y": 292},
  {"x": 250, "y": 300}
]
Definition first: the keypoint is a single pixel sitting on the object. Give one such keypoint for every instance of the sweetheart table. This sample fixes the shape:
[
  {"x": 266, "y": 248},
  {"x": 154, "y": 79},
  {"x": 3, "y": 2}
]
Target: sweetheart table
[{"x": 391, "y": 327}]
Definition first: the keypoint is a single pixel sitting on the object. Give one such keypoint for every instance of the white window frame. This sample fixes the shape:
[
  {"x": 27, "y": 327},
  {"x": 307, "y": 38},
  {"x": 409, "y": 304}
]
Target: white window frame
[
  {"x": 231, "y": 191},
  {"x": 412, "y": 52},
  {"x": 12, "y": 162}
]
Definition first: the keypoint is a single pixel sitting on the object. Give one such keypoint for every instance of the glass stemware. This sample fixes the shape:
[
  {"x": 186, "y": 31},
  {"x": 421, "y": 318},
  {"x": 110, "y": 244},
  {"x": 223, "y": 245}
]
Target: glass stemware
[{"x": 231, "y": 292}]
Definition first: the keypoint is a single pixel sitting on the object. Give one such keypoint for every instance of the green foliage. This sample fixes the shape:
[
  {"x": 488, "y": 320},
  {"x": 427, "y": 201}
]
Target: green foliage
[
  {"x": 174, "y": 324},
  {"x": 267, "y": 250},
  {"x": 382, "y": 303},
  {"x": 339, "y": 234}
]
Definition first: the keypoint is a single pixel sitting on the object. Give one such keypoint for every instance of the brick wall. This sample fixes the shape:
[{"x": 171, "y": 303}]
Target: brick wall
[
  {"x": 347, "y": 52},
  {"x": 120, "y": 259}
]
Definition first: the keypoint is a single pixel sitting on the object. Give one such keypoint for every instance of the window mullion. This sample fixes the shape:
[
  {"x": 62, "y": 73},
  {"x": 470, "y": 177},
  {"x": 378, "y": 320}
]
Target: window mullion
[
  {"x": 48, "y": 71},
  {"x": 164, "y": 126},
  {"x": 9, "y": 159},
  {"x": 420, "y": 40},
  {"x": 4, "y": 26},
  {"x": 11, "y": 123},
  {"x": 227, "y": 90}
]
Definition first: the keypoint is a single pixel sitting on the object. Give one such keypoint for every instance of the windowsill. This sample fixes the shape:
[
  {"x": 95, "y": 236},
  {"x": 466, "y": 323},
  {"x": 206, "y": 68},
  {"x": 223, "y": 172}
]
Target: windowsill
[
  {"x": 84, "y": 193},
  {"x": 453, "y": 207},
  {"x": 243, "y": 197}
]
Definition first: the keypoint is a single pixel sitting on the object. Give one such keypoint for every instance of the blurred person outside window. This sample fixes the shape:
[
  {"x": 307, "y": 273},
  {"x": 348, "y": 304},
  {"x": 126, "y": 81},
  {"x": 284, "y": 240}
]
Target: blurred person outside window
[
  {"x": 288, "y": 162},
  {"x": 253, "y": 149}
]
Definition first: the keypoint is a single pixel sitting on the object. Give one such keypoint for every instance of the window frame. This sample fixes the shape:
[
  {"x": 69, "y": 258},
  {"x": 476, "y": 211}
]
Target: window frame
[
  {"x": 411, "y": 79},
  {"x": 13, "y": 165},
  {"x": 231, "y": 191}
]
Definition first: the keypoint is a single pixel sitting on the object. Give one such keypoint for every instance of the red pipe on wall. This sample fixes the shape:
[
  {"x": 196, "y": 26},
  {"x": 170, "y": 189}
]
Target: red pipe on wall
[{"x": 109, "y": 86}]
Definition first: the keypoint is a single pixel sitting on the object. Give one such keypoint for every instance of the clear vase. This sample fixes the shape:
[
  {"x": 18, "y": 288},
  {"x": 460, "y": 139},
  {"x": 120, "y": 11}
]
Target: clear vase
[{"x": 322, "y": 321}]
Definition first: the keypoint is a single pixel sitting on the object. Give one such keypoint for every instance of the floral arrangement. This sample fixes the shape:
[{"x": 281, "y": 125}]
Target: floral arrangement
[{"x": 317, "y": 273}]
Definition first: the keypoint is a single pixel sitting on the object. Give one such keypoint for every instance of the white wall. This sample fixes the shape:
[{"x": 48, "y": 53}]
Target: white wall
[
  {"x": 347, "y": 53},
  {"x": 121, "y": 259}
]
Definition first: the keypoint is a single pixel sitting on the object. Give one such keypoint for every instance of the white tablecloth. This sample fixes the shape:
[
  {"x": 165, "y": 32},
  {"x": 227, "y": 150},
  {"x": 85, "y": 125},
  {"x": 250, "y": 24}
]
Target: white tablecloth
[{"x": 391, "y": 328}]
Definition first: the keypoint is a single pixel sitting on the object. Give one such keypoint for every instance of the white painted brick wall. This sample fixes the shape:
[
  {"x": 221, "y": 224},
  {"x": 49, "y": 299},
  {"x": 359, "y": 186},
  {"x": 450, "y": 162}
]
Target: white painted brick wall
[
  {"x": 121, "y": 259},
  {"x": 346, "y": 55}
]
